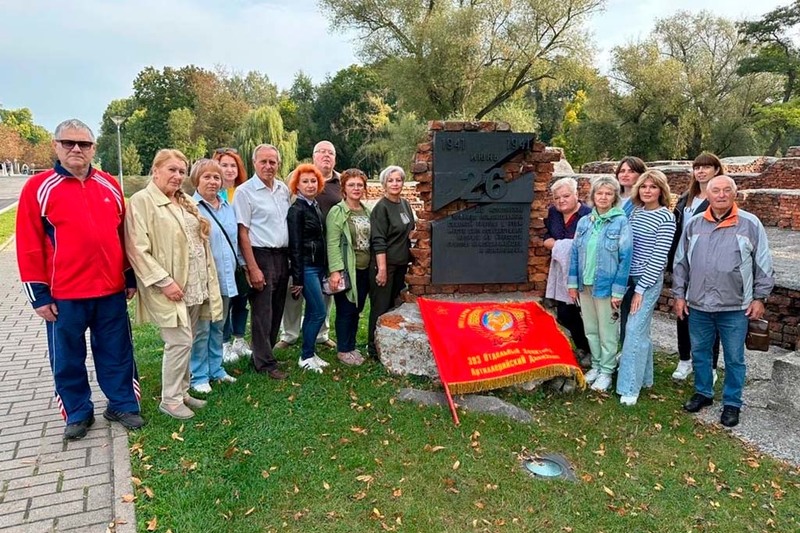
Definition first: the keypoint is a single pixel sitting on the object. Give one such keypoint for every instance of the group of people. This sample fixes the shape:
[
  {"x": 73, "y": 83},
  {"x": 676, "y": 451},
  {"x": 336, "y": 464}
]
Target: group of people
[
  {"x": 196, "y": 262},
  {"x": 607, "y": 272}
]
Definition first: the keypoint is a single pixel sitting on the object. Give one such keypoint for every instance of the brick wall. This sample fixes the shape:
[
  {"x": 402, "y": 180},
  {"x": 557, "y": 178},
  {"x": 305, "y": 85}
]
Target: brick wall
[
  {"x": 774, "y": 207},
  {"x": 375, "y": 192},
  {"x": 540, "y": 160}
]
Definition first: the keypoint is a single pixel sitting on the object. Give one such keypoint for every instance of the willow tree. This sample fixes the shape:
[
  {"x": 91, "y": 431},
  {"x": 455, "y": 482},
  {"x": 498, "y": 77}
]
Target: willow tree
[
  {"x": 265, "y": 125},
  {"x": 464, "y": 58}
]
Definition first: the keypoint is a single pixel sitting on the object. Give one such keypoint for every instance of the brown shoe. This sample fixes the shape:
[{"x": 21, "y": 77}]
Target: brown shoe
[
  {"x": 277, "y": 374},
  {"x": 281, "y": 345},
  {"x": 194, "y": 403},
  {"x": 328, "y": 343}
]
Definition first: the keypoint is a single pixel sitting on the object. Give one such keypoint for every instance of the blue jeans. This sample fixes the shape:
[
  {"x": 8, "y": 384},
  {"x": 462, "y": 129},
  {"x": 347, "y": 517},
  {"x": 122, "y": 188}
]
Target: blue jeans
[
  {"x": 636, "y": 362},
  {"x": 236, "y": 320},
  {"x": 731, "y": 326},
  {"x": 347, "y": 312},
  {"x": 315, "y": 308},
  {"x": 206, "y": 359}
]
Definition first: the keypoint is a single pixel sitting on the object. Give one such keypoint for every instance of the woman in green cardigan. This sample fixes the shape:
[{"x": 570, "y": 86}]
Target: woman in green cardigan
[{"x": 348, "y": 236}]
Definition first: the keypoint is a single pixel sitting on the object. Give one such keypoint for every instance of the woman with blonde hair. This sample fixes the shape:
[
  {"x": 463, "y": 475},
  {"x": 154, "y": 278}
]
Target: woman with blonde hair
[
  {"x": 652, "y": 227},
  {"x": 167, "y": 242}
]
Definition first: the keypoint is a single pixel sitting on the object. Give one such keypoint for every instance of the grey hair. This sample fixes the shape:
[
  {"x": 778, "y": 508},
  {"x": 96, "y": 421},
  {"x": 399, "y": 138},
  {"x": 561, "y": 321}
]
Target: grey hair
[
  {"x": 73, "y": 124},
  {"x": 606, "y": 181},
  {"x": 388, "y": 171},
  {"x": 567, "y": 182},
  {"x": 730, "y": 180},
  {"x": 316, "y": 146},
  {"x": 265, "y": 145}
]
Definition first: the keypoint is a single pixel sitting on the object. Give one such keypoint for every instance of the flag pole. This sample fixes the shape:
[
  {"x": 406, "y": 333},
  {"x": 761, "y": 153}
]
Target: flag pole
[{"x": 451, "y": 404}]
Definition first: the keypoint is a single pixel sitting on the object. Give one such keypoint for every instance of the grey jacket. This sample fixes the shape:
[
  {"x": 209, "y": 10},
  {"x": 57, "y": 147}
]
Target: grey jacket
[{"x": 725, "y": 265}]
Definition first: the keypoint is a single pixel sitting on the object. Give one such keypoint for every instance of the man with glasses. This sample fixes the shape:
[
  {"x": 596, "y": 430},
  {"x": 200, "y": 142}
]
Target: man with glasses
[
  {"x": 261, "y": 205},
  {"x": 79, "y": 211},
  {"x": 324, "y": 158},
  {"x": 721, "y": 277}
]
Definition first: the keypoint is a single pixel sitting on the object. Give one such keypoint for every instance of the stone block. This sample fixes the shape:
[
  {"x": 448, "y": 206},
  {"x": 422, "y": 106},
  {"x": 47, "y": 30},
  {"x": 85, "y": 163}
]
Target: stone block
[{"x": 785, "y": 394}]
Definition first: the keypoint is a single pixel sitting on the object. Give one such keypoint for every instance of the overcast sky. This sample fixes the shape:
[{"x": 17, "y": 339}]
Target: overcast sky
[{"x": 70, "y": 58}]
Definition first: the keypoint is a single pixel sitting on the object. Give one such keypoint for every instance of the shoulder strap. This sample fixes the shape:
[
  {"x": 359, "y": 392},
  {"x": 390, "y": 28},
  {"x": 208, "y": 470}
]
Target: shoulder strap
[{"x": 202, "y": 203}]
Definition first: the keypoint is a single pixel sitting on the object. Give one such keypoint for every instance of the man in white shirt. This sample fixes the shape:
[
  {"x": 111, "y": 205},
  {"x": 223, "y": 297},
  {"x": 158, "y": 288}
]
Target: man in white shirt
[{"x": 261, "y": 205}]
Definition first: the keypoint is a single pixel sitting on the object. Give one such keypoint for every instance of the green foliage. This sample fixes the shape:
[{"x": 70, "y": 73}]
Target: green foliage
[
  {"x": 131, "y": 163},
  {"x": 265, "y": 125},
  {"x": 453, "y": 58},
  {"x": 21, "y": 121},
  {"x": 397, "y": 143},
  {"x": 181, "y": 124},
  {"x": 8, "y": 224}
]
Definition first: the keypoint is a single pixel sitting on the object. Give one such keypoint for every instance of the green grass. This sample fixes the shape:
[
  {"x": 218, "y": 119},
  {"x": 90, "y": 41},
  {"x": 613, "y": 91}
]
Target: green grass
[
  {"x": 8, "y": 222},
  {"x": 337, "y": 452}
]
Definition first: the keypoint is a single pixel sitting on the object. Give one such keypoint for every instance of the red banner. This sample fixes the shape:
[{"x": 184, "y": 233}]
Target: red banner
[{"x": 486, "y": 345}]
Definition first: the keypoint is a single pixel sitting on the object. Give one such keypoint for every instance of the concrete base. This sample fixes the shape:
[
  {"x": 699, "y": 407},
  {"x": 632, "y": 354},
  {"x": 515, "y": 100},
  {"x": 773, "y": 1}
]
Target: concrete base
[{"x": 785, "y": 391}]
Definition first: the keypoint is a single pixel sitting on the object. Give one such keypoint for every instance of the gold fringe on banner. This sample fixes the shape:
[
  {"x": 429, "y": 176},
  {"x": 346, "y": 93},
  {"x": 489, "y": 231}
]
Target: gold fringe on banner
[{"x": 545, "y": 373}]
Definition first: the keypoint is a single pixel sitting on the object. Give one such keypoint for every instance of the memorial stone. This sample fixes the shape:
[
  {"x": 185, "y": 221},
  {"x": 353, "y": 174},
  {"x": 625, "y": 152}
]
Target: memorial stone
[{"x": 488, "y": 241}]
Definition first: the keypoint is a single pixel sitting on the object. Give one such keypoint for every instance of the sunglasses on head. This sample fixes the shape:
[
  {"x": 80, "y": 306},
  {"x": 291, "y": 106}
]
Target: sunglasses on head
[
  {"x": 69, "y": 145},
  {"x": 225, "y": 150}
]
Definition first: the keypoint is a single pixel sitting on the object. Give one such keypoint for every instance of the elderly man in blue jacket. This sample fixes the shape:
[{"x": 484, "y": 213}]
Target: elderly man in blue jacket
[{"x": 721, "y": 277}]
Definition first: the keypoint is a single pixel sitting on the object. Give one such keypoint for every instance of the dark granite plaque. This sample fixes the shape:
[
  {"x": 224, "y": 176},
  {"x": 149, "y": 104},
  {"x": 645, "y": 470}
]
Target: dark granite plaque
[
  {"x": 484, "y": 244},
  {"x": 487, "y": 243},
  {"x": 468, "y": 165}
]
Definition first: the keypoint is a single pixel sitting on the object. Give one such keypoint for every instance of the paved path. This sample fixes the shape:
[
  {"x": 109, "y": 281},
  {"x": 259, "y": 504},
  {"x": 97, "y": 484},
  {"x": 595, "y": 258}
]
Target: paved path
[{"x": 46, "y": 484}]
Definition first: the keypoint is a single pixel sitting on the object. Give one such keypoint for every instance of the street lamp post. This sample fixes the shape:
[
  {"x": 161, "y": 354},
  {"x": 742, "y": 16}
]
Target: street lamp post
[{"x": 119, "y": 120}]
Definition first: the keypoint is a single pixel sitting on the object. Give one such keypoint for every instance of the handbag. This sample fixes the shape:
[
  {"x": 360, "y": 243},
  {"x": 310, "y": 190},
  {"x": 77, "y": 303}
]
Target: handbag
[
  {"x": 344, "y": 281},
  {"x": 344, "y": 284},
  {"x": 239, "y": 274},
  {"x": 757, "y": 335}
]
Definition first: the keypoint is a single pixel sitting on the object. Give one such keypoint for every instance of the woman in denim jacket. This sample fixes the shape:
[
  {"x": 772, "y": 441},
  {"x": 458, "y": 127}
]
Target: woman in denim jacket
[{"x": 598, "y": 275}]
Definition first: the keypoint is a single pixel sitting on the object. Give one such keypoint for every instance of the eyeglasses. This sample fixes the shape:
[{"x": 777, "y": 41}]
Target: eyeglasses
[
  {"x": 69, "y": 145},
  {"x": 225, "y": 150},
  {"x": 324, "y": 151}
]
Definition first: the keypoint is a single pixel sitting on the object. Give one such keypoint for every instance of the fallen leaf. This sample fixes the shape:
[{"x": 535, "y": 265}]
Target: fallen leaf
[
  {"x": 712, "y": 467},
  {"x": 250, "y": 511},
  {"x": 136, "y": 481},
  {"x": 479, "y": 504},
  {"x": 456, "y": 465},
  {"x": 152, "y": 524},
  {"x": 264, "y": 474},
  {"x": 396, "y": 493},
  {"x": 128, "y": 498},
  {"x": 608, "y": 491},
  {"x": 148, "y": 492},
  {"x": 432, "y": 449},
  {"x": 360, "y": 431},
  {"x": 175, "y": 436},
  {"x": 325, "y": 485}
]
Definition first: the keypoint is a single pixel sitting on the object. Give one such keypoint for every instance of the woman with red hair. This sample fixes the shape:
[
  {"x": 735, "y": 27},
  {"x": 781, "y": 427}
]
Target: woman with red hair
[
  {"x": 308, "y": 258},
  {"x": 234, "y": 345}
]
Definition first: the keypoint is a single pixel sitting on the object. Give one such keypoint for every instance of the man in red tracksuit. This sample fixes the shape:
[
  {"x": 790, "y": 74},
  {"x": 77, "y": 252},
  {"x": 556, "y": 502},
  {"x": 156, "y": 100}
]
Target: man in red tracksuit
[{"x": 75, "y": 273}]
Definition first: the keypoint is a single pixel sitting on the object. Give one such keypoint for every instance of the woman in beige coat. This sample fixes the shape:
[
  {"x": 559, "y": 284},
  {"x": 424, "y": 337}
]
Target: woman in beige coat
[{"x": 167, "y": 242}]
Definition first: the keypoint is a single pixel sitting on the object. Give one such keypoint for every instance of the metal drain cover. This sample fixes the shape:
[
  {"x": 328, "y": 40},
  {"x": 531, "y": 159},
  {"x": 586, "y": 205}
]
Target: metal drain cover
[{"x": 549, "y": 466}]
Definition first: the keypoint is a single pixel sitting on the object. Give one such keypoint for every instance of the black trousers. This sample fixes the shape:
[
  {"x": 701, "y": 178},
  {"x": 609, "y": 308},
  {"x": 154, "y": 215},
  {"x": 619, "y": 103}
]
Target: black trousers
[
  {"x": 381, "y": 299},
  {"x": 266, "y": 305},
  {"x": 685, "y": 345},
  {"x": 569, "y": 316}
]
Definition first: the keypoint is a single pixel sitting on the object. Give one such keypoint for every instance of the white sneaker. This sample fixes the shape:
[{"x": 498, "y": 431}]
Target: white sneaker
[
  {"x": 241, "y": 347},
  {"x": 322, "y": 363},
  {"x": 205, "y": 388},
  {"x": 682, "y": 371},
  {"x": 591, "y": 376},
  {"x": 714, "y": 376},
  {"x": 227, "y": 378},
  {"x": 228, "y": 353},
  {"x": 309, "y": 364},
  {"x": 602, "y": 383},
  {"x": 628, "y": 400}
]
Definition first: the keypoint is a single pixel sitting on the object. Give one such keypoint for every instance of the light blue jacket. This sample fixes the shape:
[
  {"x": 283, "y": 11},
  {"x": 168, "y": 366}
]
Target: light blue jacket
[
  {"x": 224, "y": 259},
  {"x": 614, "y": 252}
]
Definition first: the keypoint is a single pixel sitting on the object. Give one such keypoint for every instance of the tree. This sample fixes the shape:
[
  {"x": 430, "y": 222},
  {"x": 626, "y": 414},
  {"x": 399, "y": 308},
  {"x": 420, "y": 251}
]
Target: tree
[
  {"x": 265, "y": 125},
  {"x": 397, "y": 143},
  {"x": 107, "y": 139},
  {"x": 11, "y": 143},
  {"x": 181, "y": 128},
  {"x": 453, "y": 57},
  {"x": 21, "y": 121},
  {"x": 130, "y": 160},
  {"x": 297, "y": 110},
  {"x": 775, "y": 52}
]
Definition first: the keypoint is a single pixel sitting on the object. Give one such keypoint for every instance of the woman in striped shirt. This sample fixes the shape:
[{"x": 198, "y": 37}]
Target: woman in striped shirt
[{"x": 653, "y": 227}]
